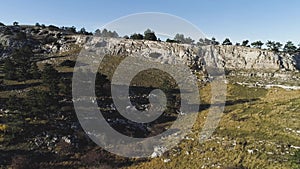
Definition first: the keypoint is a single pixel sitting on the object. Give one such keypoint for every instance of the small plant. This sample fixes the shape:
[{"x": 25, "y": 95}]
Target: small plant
[{"x": 296, "y": 160}]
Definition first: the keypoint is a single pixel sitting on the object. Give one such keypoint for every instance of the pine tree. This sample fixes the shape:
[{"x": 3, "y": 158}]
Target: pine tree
[
  {"x": 21, "y": 60},
  {"x": 257, "y": 44},
  {"x": 9, "y": 70},
  {"x": 34, "y": 71},
  {"x": 227, "y": 42},
  {"x": 50, "y": 78}
]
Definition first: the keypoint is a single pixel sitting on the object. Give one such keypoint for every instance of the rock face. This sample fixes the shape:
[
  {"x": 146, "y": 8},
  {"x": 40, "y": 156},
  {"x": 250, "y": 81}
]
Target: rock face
[
  {"x": 43, "y": 40},
  {"x": 53, "y": 40},
  {"x": 229, "y": 57}
]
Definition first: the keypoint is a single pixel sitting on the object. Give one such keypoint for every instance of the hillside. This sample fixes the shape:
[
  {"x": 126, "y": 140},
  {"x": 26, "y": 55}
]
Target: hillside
[{"x": 39, "y": 128}]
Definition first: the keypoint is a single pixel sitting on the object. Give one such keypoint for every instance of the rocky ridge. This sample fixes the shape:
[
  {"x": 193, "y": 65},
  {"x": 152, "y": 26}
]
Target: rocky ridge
[{"x": 236, "y": 60}]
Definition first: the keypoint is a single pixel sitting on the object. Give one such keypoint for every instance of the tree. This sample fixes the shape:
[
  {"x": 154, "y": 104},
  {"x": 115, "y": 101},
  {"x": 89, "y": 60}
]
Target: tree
[
  {"x": 204, "y": 42},
  {"x": 34, "y": 71},
  {"x": 9, "y": 69},
  {"x": 66, "y": 87},
  {"x": 245, "y": 42},
  {"x": 290, "y": 48},
  {"x": 73, "y": 29},
  {"x": 180, "y": 38},
  {"x": 172, "y": 41},
  {"x": 137, "y": 36},
  {"x": 148, "y": 31},
  {"x": 2, "y": 24},
  {"x": 104, "y": 33},
  {"x": 50, "y": 78},
  {"x": 227, "y": 42},
  {"x": 37, "y": 24},
  {"x": 274, "y": 46},
  {"x": 257, "y": 44},
  {"x": 214, "y": 41},
  {"x": 82, "y": 31},
  {"x": 150, "y": 35},
  {"x": 97, "y": 32},
  {"x": 22, "y": 59},
  {"x": 15, "y": 23},
  {"x": 298, "y": 50}
]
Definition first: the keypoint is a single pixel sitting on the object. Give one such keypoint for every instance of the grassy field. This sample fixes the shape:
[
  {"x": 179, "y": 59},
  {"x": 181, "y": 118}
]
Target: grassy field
[
  {"x": 258, "y": 133},
  {"x": 260, "y": 128}
]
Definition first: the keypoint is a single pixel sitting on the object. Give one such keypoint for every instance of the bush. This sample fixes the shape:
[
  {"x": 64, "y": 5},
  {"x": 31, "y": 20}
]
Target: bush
[
  {"x": 20, "y": 162},
  {"x": 68, "y": 63},
  {"x": 150, "y": 36},
  {"x": 137, "y": 36},
  {"x": 3, "y": 127},
  {"x": 53, "y": 28},
  {"x": 227, "y": 42},
  {"x": 172, "y": 41}
]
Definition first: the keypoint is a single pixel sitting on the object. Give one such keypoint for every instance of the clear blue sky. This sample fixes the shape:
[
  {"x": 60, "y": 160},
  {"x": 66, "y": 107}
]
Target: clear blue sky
[{"x": 238, "y": 19}]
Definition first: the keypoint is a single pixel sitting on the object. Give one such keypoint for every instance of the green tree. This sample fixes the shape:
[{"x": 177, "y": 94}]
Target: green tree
[
  {"x": 214, "y": 41},
  {"x": 257, "y": 44},
  {"x": 9, "y": 69},
  {"x": 137, "y": 36},
  {"x": 180, "y": 38},
  {"x": 15, "y": 23},
  {"x": 148, "y": 31},
  {"x": 245, "y": 43},
  {"x": 34, "y": 71},
  {"x": 172, "y": 41},
  {"x": 290, "y": 48},
  {"x": 16, "y": 67},
  {"x": 21, "y": 58},
  {"x": 205, "y": 41},
  {"x": 227, "y": 42},
  {"x": 50, "y": 77},
  {"x": 66, "y": 87},
  {"x": 150, "y": 35},
  {"x": 274, "y": 46},
  {"x": 82, "y": 31},
  {"x": 97, "y": 32}
]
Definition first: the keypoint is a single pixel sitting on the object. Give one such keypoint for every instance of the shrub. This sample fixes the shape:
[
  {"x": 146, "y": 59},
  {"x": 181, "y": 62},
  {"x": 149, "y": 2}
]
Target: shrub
[
  {"x": 20, "y": 162},
  {"x": 68, "y": 63},
  {"x": 227, "y": 42},
  {"x": 137, "y": 36},
  {"x": 3, "y": 127}
]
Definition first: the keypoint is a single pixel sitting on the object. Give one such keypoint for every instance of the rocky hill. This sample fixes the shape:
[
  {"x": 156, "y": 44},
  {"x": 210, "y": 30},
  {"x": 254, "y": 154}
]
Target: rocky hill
[{"x": 236, "y": 60}]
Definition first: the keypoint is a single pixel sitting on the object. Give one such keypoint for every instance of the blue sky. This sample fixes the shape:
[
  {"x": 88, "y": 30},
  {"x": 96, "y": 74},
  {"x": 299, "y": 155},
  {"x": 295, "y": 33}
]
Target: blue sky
[{"x": 277, "y": 20}]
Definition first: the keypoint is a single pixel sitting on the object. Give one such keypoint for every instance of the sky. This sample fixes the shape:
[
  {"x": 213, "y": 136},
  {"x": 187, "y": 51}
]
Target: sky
[{"x": 277, "y": 20}]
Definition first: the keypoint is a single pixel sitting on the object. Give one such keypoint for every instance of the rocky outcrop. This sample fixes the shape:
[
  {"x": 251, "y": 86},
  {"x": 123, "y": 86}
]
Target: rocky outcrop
[
  {"x": 228, "y": 57},
  {"x": 52, "y": 41},
  {"x": 43, "y": 40}
]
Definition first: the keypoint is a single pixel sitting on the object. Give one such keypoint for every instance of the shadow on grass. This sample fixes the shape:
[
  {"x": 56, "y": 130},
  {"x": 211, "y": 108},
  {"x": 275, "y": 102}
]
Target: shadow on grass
[{"x": 20, "y": 86}]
